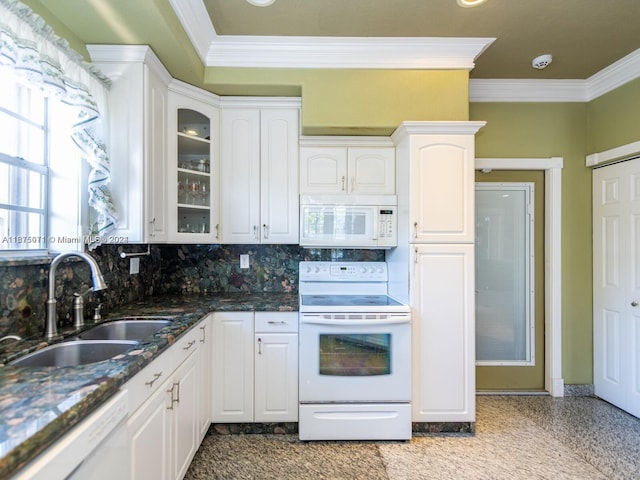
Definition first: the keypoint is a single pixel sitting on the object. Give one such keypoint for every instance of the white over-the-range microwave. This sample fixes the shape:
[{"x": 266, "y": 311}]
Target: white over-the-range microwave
[{"x": 348, "y": 221}]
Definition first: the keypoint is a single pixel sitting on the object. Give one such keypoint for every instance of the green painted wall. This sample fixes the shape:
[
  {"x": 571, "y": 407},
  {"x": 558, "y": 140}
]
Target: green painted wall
[
  {"x": 614, "y": 118},
  {"x": 555, "y": 130},
  {"x": 354, "y": 102}
]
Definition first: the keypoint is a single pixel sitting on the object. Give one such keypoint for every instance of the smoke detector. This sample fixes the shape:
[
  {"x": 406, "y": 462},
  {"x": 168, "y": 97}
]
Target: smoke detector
[
  {"x": 261, "y": 3},
  {"x": 542, "y": 61}
]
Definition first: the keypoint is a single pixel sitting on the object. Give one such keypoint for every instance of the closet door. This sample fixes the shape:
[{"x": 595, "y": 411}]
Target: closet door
[{"x": 616, "y": 278}]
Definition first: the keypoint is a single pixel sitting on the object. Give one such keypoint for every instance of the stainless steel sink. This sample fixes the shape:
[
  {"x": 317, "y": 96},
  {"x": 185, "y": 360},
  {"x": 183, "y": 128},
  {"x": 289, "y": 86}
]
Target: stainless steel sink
[
  {"x": 125, "y": 330},
  {"x": 74, "y": 353}
]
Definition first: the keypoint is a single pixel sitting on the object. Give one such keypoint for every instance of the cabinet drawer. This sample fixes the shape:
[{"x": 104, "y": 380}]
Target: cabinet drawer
[
  {"x": 149, "y": 379},
  {"x": 270, "y": 322}
]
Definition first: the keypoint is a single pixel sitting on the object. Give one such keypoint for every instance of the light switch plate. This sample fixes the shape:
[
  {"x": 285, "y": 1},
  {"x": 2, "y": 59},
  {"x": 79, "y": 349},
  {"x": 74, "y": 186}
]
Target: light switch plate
[
  {"x": 134, "y": 265},
  {"x": 244, "y": 260}
]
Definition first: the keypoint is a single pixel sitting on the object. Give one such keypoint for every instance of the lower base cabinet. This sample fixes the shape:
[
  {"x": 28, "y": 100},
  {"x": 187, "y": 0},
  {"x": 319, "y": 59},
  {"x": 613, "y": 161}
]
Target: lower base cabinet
[
  {"x": 255, "y": 367},
  {"x": 165, "y": 430}
]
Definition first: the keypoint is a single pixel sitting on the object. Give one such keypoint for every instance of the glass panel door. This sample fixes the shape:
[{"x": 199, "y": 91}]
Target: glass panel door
[{"x": 504, "y": 274}]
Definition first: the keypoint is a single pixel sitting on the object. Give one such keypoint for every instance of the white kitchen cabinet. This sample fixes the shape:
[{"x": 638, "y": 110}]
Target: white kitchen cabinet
[
  {"x": 183, "y": 407},
  {"x": 440, "y": 179},
  {"x": 336, "y": 165},
  {"x": 204, "y": 374},
  {"x": 232, "y": 399},
  {"x": 255, "y": 368},
  {"x": 95, "y": 448},
  {"x": 443, "y": 333},
  {"x": 193, "y": 173},
  {"x": 137, "y": 142},
  {"x": 276, "y": 367},
  {"x": 436, "y": 235},
  {"x": 259, "y": 171},
  {"x": 163, "y": 427}
]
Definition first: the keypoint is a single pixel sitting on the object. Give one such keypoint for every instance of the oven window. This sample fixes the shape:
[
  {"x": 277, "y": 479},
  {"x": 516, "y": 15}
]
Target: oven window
[{"x": 353, "y": 355}]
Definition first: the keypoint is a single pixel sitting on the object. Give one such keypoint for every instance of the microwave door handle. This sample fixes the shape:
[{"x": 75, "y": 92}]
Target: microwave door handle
[{"x": 376, "y": 225}]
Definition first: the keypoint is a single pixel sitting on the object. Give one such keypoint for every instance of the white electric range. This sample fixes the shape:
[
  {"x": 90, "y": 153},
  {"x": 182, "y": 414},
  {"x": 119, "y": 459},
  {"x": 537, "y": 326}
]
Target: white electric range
[{"x": 355, "y": 354}]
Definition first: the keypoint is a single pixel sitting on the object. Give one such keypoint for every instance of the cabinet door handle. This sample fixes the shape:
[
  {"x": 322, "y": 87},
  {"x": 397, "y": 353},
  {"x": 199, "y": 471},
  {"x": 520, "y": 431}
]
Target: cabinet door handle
[
  {"x": 343, "y": 179},
  {"x": 415, "y": 229},
  {"x": 156, "y": 376},
  {"x": 153, "y": 227},
  {"x": 265, "y": 231},
  {"x": 204, "y": 334},
  {"x": 218, "y": 231},
  {"x": 189, "y": 345},
  {"x": 415, "y": 258},
  {"x": 173, "y": 400},
  {"x": 255, "y": 233},
  {"x": 634, "y": 304},
  {"x": 259, "y": 346}
]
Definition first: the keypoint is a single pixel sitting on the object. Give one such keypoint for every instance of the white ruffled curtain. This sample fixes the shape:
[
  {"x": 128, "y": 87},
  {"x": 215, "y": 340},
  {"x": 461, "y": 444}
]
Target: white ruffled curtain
[{"x": 31, "y": 49}]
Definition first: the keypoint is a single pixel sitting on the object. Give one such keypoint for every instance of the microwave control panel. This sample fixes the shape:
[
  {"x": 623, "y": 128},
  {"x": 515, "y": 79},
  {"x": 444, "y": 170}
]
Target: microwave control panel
[{"x": 386, "y": 222}]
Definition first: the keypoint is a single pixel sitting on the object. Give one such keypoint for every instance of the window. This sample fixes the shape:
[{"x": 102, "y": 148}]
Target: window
[
  {"x": 39, "y": 171},
  {"x": 24, "y": 169}
]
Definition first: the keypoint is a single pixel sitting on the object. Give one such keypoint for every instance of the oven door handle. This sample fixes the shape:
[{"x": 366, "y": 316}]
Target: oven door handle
[{"x": 323, "y": 320}]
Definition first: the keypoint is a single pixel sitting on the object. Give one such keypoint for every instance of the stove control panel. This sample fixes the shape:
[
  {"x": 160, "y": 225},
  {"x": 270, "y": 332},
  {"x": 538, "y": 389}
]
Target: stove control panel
[{"x": 343, "y": 271}]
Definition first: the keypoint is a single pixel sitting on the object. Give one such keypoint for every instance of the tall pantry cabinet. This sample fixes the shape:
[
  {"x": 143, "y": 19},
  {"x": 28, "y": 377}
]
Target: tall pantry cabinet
[{"x": 435, "y": 186}]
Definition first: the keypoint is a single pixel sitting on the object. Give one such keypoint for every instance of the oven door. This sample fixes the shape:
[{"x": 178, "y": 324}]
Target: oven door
[{"x": 355, "y": 357}]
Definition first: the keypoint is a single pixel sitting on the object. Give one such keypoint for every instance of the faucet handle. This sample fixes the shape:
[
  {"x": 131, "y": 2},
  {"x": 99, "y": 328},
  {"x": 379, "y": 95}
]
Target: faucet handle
[
  {"x": 96, "y": 314},
  {"x": 78, "y": 310}
]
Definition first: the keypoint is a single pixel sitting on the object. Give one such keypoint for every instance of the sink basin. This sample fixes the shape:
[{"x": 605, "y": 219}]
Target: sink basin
[
  {"x": 124, "y": 330},
  {"x": 74, "y": 353}
]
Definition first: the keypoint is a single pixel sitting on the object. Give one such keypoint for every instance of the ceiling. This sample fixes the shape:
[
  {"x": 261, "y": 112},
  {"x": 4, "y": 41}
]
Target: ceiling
[{"x": 584, "y": 36}]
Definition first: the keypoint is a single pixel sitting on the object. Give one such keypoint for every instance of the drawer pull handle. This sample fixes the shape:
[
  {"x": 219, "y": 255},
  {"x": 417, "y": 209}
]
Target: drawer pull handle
[
  {"x": 204, "y": 334},
  {"x": 259, "y": 346},
  {"x": 273, "y": 322},
  {"x": 189, "y": 345},
  {"x": 156, "y": 376}
]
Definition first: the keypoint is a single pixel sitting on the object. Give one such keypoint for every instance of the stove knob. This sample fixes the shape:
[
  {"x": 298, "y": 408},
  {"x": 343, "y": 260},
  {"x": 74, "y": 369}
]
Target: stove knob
[
  {"x": 363, "y": 270},
  {"x": 372, "y": 270},
  {"x": 317, "y": 269},
  {"x": 380, "y": 270}
]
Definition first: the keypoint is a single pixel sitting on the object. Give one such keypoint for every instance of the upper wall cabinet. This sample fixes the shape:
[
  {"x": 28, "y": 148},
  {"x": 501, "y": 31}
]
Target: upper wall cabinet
[
  {"x": 347, "y": 165},
  {"x": 437, "y": 169},
  {"x": 193, "y": 173},
  {"x": 259, "y": 170},
  {"x": 138, "y": 139}
]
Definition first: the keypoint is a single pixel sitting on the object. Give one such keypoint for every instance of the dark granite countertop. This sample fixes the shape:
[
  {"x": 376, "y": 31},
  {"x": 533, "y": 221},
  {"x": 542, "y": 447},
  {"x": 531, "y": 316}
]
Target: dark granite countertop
[{"x": 39, "y": 405}]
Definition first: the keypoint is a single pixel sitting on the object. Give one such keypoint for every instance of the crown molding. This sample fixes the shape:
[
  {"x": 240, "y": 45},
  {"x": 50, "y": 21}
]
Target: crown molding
[
  {"x": 527, "y": 90},
  {"x": 128, "y": 54},
  {"x": 196, "y": 22},
  {"x": 390, "y": 53},
  {"x": 530, "y": 90},
  {"x": 406, "y": 129},
  {"x": 345, "y": 52}
]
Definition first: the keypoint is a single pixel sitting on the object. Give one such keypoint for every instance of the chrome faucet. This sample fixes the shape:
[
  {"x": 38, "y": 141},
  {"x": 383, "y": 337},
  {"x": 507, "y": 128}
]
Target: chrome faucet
[{"x": 51, "y": 328}]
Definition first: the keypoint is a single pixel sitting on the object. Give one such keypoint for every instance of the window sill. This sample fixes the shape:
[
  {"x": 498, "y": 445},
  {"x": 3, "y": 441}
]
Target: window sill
[{"x": 14, "y": 259}]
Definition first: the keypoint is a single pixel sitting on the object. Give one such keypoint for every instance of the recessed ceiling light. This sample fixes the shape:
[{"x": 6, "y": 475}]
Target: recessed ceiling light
[
  {"x": 261, "y": 3},
  {"x": 470, "y": 3}
]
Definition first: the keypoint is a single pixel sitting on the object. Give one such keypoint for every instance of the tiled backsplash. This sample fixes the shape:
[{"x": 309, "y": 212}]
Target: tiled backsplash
[{"x": 169, "y": 269}]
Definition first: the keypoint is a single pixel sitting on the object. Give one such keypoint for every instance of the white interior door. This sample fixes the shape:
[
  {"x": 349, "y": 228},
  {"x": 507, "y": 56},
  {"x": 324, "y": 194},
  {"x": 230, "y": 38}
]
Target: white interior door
[{"x": 616, "y": 279}]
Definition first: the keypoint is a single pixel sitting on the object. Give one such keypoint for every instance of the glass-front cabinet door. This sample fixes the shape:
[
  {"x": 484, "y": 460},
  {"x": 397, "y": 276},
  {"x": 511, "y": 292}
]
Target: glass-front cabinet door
[{"x": 194, "y": 178}]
